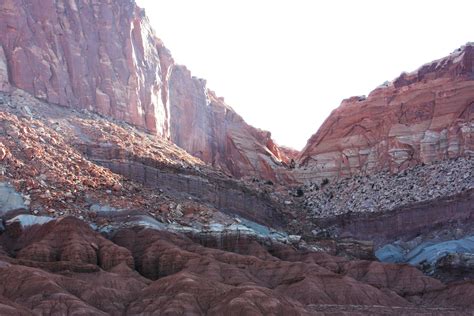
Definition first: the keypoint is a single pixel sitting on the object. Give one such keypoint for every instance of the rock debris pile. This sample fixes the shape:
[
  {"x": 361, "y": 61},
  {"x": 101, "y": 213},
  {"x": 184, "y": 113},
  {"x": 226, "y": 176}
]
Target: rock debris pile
[
  {"x": 51, "y": 160},
  {"x": 385, "y": 191},
  {"x": 44, "y": 169}
]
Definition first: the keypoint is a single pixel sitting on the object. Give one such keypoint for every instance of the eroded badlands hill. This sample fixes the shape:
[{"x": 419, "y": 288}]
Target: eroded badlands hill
[{"x": 64, "y": 267}]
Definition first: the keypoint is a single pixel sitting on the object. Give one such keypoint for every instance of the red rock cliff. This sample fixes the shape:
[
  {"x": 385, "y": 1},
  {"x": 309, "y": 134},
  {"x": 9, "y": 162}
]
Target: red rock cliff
[
  {"x": 96, "y": 55},
  {"x": 208, "y": 128},
  {"x": 103, "y": 56},
  {"x": 420, "y": 117}
]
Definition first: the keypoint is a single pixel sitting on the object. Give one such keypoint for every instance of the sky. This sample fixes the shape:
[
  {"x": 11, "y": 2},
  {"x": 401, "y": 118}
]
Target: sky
[{"x": 285, "y": 65}]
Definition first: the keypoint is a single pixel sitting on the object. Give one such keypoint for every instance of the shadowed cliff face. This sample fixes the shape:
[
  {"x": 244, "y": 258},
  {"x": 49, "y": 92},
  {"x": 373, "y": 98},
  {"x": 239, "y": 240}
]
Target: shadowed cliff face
[
  {"x": 227, "y": 196},
  {"x": 420, "y": 117},
  {"x": 406, "y": 222}
]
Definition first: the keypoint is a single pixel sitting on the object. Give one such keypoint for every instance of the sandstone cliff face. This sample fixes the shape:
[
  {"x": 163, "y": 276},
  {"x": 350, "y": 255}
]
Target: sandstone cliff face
[
  {"x": 418, "y": 118},
  {"x": 103, "y": 56},
  {"x": 205, "y": 126},
  {"x": 95, "y": 55}
]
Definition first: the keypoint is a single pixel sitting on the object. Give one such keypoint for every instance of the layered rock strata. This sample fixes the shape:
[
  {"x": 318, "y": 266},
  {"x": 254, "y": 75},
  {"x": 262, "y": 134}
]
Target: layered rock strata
[
  {"x": 46, "y": 269},
  {"x": 420, "y": 117},
  {"x": 414, "y": 204}
]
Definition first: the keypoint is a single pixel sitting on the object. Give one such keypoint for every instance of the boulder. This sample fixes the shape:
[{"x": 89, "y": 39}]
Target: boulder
[{"x": 10, "y": 199}]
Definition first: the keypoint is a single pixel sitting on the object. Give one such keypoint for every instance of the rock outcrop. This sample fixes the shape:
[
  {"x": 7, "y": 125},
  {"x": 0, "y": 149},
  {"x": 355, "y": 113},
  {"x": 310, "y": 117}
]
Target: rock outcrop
[
  {"x": 4, "y": 82},
  {"x": 103, "y": 56},
  {"x": 420, "y": 117},
  {"x": 205, "y": 126}
]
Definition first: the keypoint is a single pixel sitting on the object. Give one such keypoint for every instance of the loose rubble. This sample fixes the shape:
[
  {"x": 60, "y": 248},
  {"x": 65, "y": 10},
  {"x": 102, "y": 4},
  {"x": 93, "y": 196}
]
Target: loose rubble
[
  {"x": 47, "y": 166},
  {"x": 386, "y": 191}
]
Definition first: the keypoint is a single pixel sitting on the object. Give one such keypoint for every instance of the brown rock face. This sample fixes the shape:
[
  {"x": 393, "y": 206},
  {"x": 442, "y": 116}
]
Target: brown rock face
[
  {"x": 420, "y": 117},
  {"x": 407, "y": 221},
  {"x": 205, "y": 126},
  {"x": 101, "y": 55}
]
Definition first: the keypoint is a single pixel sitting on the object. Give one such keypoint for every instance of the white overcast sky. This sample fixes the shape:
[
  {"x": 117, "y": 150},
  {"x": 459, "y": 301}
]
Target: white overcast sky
[{"x": 285, "y": 65}]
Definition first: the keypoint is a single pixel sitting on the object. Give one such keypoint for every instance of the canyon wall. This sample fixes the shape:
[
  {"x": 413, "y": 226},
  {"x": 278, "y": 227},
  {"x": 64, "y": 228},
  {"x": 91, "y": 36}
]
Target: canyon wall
[
  {"x": 97, "y": 55},
  {"x": 420, "y": 117},
  {"x": 103, "y": 56},
  {"x": 205, "y": 126}
]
